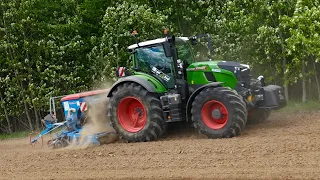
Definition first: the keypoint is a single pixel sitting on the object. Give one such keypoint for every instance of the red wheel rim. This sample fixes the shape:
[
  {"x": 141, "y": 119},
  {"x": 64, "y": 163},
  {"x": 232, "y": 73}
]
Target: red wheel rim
[
  {"x": 214, "y": 114},
  {"x": 132, "y": 114}
]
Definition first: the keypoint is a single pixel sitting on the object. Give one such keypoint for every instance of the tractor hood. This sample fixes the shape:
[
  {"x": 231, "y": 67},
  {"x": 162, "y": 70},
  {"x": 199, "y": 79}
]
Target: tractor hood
[
  {"x": 218, "y": 65},
  {"x": 228, "y": 72},
  {"x": 232, "y": 66}
]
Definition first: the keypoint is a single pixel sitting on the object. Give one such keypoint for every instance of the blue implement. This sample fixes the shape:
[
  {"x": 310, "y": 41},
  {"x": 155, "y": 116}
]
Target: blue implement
[{"x": 74, "y": 109}]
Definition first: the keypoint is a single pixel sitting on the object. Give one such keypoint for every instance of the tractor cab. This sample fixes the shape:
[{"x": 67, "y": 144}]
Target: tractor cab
[
  {"x": 155, "y": 58},
  {"x": 167, "y": 60}
]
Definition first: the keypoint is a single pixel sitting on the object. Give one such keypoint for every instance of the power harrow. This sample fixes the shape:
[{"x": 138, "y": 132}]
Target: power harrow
[{"x": 75, "y": 108}]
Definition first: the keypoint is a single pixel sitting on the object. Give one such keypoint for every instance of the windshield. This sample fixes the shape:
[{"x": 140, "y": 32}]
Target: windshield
[
  {"x": 184, "y": 52},
  {"x": 191, "y": 53},
  {"x": 153, "y": 57}
]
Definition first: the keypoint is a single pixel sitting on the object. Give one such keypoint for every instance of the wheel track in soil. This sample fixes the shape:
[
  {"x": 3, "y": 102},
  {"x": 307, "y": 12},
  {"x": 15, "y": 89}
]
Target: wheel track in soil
[{"x": 284, "y": 147}]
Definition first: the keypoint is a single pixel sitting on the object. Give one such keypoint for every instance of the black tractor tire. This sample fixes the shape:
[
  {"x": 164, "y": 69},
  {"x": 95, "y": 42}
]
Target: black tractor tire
[
  {"x": 226, "y": 102},
  {"x": 148, "y": 107},
  {"x": 256, "y": 115}
]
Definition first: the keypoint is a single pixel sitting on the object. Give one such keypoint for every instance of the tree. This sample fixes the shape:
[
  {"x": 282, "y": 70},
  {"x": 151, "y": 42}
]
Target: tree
[
  {"x": 118, "y": 22},
  {"x": 303, "y": 42}
]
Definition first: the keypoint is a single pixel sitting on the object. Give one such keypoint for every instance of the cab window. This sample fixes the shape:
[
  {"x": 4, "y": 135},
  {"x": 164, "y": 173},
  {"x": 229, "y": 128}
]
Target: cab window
[{"x": 152, "y": 60}]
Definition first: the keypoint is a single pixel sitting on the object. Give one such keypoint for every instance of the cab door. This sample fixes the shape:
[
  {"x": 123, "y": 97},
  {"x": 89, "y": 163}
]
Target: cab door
[{"x": 152, "y": 60}]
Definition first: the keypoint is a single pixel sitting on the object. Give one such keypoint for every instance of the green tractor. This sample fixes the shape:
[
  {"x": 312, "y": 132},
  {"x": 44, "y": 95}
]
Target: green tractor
[{"x": 165, "y": 84}]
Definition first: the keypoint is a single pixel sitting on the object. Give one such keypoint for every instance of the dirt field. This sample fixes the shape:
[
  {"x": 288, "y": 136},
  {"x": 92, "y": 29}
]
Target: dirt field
[{"x": 287, "y": 146}]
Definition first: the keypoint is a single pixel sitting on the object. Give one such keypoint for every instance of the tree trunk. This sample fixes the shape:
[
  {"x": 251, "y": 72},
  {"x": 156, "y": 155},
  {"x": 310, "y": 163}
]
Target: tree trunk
[
  {"x": 309, "y": 90},
  {"x": 286, "y": 89},
  {"x": 304, "y": 93},
  {"x": 317, "y": 80},
  {"x": 286, "y": 92},
  {"x": 21, "y": 123},
  {"x": 10, "y": 51},
  {"x": 37, "y": 117},
  {"x": 15, "y": 124},
  {"x": 6, "y": 113},
  {"x": 284, "y": 62},
  {"x": 40, "y": 117},
  {"x": 28, "y": 115},
  {"x": 3, "y": 129},
  {"x": 25, "y": 104},
  {"x": 26, "y": 107}
]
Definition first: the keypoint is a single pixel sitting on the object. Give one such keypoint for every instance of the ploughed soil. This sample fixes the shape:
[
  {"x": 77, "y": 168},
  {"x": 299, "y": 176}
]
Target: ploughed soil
[{"x": 286, "y": 146}]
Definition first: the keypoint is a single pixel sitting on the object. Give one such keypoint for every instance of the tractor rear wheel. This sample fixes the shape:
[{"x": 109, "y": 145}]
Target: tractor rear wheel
[
  {"x": 219, "y": 113},
  {"x": 257, "y": 115},
  {"x": 136, "y": 114}
]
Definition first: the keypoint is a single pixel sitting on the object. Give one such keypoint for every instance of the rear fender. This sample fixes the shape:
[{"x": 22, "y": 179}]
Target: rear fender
[
  {"x": 144, "y": 83},
  {"x": 195, "y": 93}
]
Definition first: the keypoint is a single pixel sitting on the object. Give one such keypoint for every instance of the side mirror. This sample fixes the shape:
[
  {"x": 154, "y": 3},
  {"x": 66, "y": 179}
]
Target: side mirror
[
  {"x": 261, "y": 79},
  {"x": 194, "y": 41},
  {"x": 167, "y": 49},
  {"x": 167, "y": 45}
]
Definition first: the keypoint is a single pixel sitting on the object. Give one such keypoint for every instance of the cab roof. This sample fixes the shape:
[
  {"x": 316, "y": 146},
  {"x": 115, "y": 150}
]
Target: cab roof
[{"x": 154, "y": 41}]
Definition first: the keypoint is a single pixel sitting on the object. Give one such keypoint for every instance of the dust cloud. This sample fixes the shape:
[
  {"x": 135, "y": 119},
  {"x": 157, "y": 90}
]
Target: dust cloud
[
  {"x": 104, "y": 83},
  {"x": 96, "y": 121}
]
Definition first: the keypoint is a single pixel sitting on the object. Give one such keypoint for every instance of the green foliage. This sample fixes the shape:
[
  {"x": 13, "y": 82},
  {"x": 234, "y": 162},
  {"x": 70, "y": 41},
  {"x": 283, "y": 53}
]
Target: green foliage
[
  {"x": 118, "y": 23},
  {"x": 41, "y": 46}
]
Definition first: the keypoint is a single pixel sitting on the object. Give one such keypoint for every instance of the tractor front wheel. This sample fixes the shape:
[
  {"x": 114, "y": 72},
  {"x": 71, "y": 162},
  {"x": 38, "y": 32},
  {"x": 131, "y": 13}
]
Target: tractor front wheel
[
  {"x": 136, "y": 114},
  {"x": 219, "y": 113}
]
